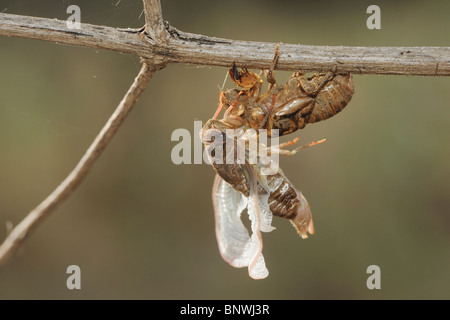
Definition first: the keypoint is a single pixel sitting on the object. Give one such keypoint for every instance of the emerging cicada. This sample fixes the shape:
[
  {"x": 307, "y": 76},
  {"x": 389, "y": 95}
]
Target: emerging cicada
[{"x": 240, "y": 186}]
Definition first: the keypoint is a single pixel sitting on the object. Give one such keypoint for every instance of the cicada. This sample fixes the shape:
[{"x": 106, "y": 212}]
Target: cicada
[{"x": 238, "y": 186}]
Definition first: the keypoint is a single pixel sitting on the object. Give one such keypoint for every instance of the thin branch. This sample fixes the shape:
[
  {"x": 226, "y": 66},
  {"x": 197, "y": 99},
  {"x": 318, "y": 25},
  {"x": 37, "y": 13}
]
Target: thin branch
[
  {"x": 154, "y": 21},
  {"x": 19, "y": 233},
  {"x": 183, "y": 47}
]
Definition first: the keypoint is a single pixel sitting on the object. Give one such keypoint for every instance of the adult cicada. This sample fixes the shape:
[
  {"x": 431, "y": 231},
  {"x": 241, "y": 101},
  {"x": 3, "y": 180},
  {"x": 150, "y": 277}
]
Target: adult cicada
[{"x": 258, "y": 186}]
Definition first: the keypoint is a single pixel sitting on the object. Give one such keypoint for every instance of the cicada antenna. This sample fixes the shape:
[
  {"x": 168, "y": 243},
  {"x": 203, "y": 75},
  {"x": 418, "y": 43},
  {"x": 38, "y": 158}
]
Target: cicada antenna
[
  {"x": 224, "y": 81},
  {"x": 219, "y": 108}
]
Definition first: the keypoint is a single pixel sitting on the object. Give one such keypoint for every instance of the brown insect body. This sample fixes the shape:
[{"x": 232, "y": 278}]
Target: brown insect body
[
  {"x": 286, "y": 107},
  {"x": 284, "y": 200}
]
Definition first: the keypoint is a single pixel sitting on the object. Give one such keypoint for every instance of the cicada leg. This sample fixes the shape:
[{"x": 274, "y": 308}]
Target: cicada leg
[
  {"x": 233, "y": 105},
  {"x": 219, "y": 108},
  {"x": 279, "y": 148},
  {"x": 311, "y": 88},
  {"x": 269, "y": 73}
]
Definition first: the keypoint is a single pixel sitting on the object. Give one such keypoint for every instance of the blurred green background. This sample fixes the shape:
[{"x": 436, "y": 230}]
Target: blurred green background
[{"x": 141, "y": 227}]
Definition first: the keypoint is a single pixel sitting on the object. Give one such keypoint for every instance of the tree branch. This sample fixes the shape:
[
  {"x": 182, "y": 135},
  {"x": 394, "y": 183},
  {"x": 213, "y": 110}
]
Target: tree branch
[
  {"x": 182, "y": 47},
  {"x": 154, "y": 21},
  {"x": 19, "y": 233}
]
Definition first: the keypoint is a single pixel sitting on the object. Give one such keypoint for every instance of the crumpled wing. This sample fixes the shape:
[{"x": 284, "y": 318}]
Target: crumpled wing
[
  {"x": 232, "y": 236},
  {"x": 263, "y": 199},
  {"x": 235, "y": 244},
  {"x": 259, "y": 214}
]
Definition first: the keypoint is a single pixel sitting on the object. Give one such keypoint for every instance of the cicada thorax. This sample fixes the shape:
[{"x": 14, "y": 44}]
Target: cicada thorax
[{"x": 244, "y": 105}]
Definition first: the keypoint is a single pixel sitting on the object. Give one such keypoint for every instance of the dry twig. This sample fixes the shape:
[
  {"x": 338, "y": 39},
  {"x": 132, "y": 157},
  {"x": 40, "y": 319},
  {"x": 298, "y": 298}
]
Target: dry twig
[
  {"x": 16, "y": 237},
  {"x": 169, "y": 45},
  {"x": 18, "y": 234}
]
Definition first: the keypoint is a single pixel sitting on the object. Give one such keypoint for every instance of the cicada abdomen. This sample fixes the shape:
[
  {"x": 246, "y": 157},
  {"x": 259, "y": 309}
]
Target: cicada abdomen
[{"x": 331, "y": 94}]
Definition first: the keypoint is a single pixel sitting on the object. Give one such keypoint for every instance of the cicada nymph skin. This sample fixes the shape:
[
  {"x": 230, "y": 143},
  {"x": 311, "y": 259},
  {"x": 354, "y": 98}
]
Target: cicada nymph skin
[{"x": 288, "y": 107}]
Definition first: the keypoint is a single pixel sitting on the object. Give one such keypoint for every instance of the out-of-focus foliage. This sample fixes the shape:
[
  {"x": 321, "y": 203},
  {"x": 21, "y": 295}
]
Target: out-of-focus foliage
[{"x": 142, "y": 227}]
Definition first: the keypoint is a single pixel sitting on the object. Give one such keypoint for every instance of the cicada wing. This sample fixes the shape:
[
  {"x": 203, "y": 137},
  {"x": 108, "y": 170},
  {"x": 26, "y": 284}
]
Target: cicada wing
[
  {"x": 232, "y": 236},
  {"x": 236, "y": 246},
  {"x": 263, "y": 202},
  {"x": 260, "y": 217}
]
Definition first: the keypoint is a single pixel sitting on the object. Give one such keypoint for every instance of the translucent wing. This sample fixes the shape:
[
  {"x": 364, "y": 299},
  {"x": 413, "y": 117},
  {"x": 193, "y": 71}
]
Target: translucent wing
[
  {"x": 236, "y": 246},
  {"x": 257, "y": 266},
  {"x": 262, "y": 194},
  {"x": 232, "y": 236}
]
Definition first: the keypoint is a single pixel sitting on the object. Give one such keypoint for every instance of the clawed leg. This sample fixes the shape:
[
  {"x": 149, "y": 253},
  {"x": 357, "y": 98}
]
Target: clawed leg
[
  {"x": 272, "y": 81},
  {"x": 219, "y": 108},
  {"x": 328, "y": 76},
  {"x": 233, "y": 105},
  {"x": 279, "y": 149},
  {"x": 289, "y": 143},
  {"x": 312, "y": 89},
  {"x": 269, "y": 73}
]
